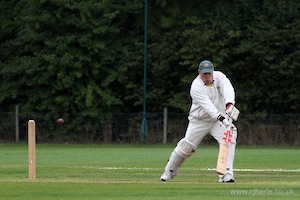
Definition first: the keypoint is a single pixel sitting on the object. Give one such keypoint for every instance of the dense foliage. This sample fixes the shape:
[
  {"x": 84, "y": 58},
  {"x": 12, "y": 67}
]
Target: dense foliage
[{"x": 77, "y": 59}]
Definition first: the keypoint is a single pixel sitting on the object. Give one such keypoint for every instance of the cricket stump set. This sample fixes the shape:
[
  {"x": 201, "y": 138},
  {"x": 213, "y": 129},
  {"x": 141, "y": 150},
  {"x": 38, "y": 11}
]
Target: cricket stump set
[{"x": 31, "y": 149}]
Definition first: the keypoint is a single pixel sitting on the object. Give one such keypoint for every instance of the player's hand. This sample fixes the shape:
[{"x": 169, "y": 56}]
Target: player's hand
[
  {"x": 224, "y": 121},
  {"x": 232, "y": 111}
]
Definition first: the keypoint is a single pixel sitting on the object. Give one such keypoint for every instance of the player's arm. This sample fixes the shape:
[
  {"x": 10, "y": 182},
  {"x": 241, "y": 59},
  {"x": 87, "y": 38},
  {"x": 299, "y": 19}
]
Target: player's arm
[
  {"x": 201, "y": 98},
  {"x": 228, "y": 93}
]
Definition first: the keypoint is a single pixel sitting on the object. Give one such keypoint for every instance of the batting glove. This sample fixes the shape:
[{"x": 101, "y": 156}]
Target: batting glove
[
  {"x": 232, "y": 111},
  {"x": 224, "y": 121}
]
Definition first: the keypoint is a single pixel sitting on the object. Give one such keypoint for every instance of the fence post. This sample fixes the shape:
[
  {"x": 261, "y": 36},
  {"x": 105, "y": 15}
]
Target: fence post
[
  {"x": 31, "y": 150},
  {"x": 17, "y": 123},
  {"x": 165, "y": 125}
]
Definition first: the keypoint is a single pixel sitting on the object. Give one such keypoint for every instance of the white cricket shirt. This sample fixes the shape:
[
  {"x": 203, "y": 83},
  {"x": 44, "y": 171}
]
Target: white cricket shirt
[{"x": 208, "y": 101}]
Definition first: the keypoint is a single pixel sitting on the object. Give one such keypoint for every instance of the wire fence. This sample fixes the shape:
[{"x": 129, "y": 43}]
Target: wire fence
[{"x": 127, "y": 128}]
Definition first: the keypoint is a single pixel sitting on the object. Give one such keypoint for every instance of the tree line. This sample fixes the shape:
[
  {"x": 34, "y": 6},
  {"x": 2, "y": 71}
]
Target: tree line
[{"x": 79, "y": 59}]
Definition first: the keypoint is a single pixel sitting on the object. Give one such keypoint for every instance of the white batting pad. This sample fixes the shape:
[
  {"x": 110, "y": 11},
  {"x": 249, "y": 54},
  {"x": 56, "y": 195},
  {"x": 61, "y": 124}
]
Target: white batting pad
[
  {"x": 185, "y": 148},
  {"x": 173, "y": 164}
]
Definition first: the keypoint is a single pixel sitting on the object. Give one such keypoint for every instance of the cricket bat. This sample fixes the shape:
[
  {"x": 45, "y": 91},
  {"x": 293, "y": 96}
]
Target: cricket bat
[{"x": 224, "y": 149}]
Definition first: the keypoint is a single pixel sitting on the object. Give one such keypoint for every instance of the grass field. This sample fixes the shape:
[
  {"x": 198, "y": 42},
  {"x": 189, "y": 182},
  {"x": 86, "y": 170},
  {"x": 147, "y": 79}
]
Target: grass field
[{"x": 133, "y": 171}]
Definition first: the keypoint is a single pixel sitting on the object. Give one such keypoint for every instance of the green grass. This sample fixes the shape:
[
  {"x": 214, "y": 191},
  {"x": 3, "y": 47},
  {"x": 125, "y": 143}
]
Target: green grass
[{"x": 133, "y": 171}]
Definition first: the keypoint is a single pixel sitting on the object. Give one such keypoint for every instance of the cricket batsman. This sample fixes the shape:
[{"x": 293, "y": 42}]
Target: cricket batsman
[{"x": 213, "y": 100}]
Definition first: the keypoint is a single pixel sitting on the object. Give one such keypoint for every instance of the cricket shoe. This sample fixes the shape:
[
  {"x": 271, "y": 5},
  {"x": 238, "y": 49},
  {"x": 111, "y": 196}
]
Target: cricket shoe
[
  {"x": 227, "y": 178},
  {"x": 166, "y": 176}
]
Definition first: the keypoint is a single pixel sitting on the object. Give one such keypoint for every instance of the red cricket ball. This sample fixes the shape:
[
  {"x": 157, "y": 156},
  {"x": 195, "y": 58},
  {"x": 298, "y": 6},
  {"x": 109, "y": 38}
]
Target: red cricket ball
[{"x": 60, "y": 121}]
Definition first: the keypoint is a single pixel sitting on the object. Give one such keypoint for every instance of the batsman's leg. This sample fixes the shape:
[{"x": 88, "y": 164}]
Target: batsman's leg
[{"x": 182, "y": 151}]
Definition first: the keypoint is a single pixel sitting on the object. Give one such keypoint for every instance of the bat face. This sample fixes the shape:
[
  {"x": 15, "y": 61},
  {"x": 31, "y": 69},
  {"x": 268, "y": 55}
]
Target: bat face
[
  {"x": 223, "y": 152},
  {"x": 227, "y": 136}
]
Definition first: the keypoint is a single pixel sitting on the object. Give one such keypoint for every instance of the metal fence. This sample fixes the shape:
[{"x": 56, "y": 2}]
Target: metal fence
[{"x": 126, "y": 128}]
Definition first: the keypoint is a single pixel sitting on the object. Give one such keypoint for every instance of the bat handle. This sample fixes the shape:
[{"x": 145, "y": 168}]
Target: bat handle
[{"x": 230, "y": 123}]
